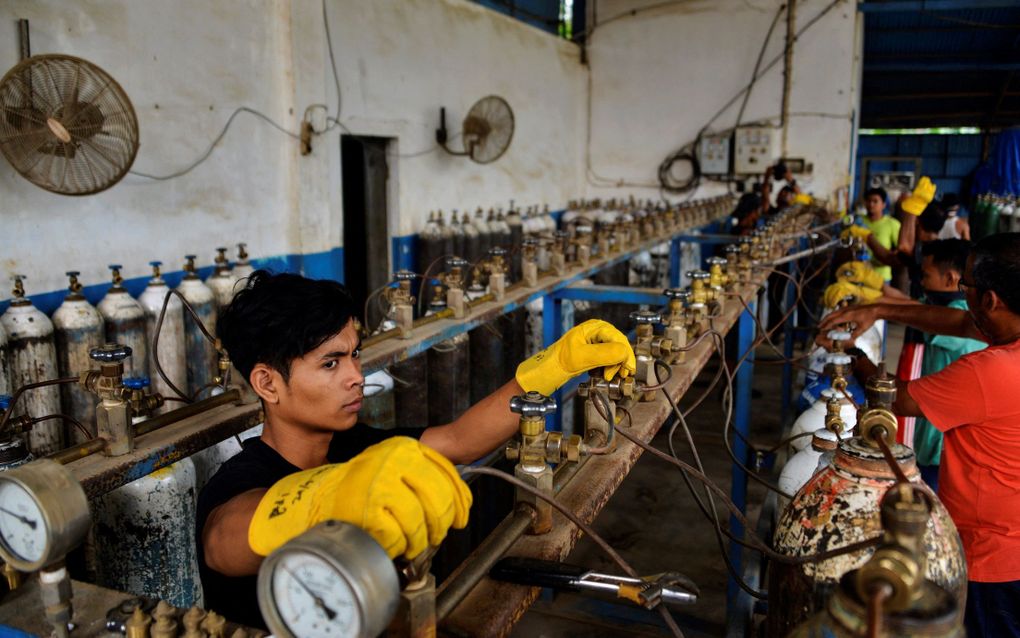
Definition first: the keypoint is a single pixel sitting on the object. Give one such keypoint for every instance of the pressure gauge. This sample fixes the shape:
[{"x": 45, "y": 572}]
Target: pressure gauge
[
  {"x": 333, "y": 580},
  {"x": 43, "y": 514}
]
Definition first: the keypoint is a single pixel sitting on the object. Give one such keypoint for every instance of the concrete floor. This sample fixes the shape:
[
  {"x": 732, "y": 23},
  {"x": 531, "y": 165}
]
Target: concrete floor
[{"x": 656, "y": 526}]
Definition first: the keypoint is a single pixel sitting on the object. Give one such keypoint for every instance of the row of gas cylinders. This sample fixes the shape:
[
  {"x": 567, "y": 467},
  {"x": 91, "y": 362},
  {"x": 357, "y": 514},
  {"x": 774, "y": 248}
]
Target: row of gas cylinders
[
  {"x": 837, "y": 481},
  {"x": 34, "y": 348},
  {"x": 137, "y": 543}
]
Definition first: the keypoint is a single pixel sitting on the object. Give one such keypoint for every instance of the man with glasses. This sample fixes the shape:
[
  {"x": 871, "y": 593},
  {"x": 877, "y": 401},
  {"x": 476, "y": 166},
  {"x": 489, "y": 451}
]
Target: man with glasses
[{"x": 975, "y": 404}]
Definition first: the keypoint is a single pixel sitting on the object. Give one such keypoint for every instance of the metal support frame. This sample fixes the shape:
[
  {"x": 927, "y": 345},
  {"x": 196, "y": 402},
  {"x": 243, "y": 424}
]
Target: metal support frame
[
  {"x": 740, "y": 604},
  {"x": 789, "y": 332}
]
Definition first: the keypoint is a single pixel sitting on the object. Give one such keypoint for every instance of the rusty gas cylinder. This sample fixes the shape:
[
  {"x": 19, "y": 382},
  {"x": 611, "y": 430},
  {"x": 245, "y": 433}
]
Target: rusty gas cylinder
[{"x": 839, "y": 506}]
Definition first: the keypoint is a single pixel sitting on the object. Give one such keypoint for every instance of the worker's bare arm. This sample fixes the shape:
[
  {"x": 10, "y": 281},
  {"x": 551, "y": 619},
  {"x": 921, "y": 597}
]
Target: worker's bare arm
[{"x": 225, "y": 536}]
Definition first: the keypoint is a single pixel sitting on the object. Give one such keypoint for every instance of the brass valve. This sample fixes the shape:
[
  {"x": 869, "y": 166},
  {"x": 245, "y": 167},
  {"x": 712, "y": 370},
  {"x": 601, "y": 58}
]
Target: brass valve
[
  {"x": 646, "y": 341},
  {"x": 679, "y": 322},
  {"x": 74, "y": 286},
  {"x": 718, "y": 280},
  {"x": 837, "y": 367},
  {"x": 899, "y": 563},
  {"x": 496, "y": 268},
  {"x": 732, "y": 266},
  {"x": 454, "y": 276},
  {"x": 599, "y": 431},
  {"x": 833, "y": 420},
  {"x": 876, "y": 419},
  {"x": 839, "y": 340},
  {"x": 701, "y": 294}
]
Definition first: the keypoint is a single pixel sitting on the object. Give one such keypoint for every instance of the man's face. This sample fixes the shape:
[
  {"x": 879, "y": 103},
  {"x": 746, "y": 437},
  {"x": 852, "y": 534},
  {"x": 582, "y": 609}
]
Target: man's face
[
  {"x": 875, "y": 205},
  {"x": 326, "y": 387},
  {"x": 935, "y": 280}
]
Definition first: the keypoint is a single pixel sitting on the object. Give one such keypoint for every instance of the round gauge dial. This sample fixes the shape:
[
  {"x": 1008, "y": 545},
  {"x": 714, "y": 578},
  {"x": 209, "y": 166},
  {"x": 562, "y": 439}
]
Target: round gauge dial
[
  {"x": 313, "y": 599},
  {"x": 331, "y": 581},
  {"x": 43, "y": 514},
  {"x": 23, "y": 530}
]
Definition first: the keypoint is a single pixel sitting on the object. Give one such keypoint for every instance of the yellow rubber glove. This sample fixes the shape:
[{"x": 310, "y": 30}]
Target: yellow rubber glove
[
  {"x": 592, "y": 344},
  {"x": 860, "y": 273},
  {"x": 923, "y": 193},
  {"x": 802, "y": 198},
  {"x": 856, "y": 232},
  {"x": 842, "y": 291},
  {"x": 403, "y": 493}
]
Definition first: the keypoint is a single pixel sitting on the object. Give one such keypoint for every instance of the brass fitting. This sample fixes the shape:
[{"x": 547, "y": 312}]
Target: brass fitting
[
  {"x": 839, "y": 340},
  {"x": 899, "y": 562},
  {"x": 648, "y": 347},
  {"x": 401, "y": 300},
  {"x": 558, "y": 252},
  {"x": 833, "y": 421},
  {"x": 732, "y": 267},
  {"x": 678, "y": 322},
  {"x": 837, "y": 368},
  {"x": 114, "y": 411},
  {"x": 877, "y": 419},
  {"x": 496, "y": 267},
  {"x": 453, "y": 280},
  {"x": 529, "y": 261},
  {"x": 718, "y": 280},
  {"x": 598, "y": 431}
]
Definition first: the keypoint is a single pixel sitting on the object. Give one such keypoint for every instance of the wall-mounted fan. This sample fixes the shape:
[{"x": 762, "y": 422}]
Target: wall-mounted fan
[
  {"x": 487, "y": 131},
  {"x": 65, "y": 124}
]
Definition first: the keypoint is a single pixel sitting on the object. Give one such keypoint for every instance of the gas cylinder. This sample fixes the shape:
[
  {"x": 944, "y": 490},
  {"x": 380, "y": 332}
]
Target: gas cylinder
[
  {"x": 13, "y": 451},
  {"x": 807, "y": 462},
  {"x": 449, "y": 362},
  {"x": 514, "y": 340},
  {"x": 840, "y": 506},
  {"x": 171, "y": 343},
  {"x": 124, "y": 323},
  {"x": 143, "y": 545},
  {"x": 457, "y": 233},
  {"x": 222, "y": 281},
  {"x": 484, "y": 233},
  {"x": 33, "y": 358},
  {"x": 814, "y": 418},
  {"x": 200, "y": 352},
  {"x": 411, "y": 391},
  {"x": 77, "y": 328},
  {"x": 472, "y": 247},
  {"x": 502, "y": 231},
  {"x": 378, "y": 408},
  {"x": 446, "y": 233},
  {"x": 242, "y": 267},
  {"x": 5, "y": 364},
  {"x": 515, "y": 225},
  {"x": 486, "y": 346}
]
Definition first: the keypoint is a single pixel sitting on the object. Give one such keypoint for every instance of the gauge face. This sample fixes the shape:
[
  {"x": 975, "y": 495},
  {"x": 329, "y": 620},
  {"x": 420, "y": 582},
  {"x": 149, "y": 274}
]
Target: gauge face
[
  {"x": 312, "y": 598},
  {"x": 23, "y": 530}
]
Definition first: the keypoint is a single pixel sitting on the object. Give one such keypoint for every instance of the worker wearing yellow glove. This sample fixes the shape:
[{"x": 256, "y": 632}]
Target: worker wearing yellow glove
[
  {"x": 861, "y": 274},
  {"x": 405, "y": 494},
  {"x": 918, "y": 200},
  {"x": 842, "y": 291},
  {"x": 856, "y": 232},
  {"x": 592, "y": 344},
  {"x": 803, "y": 199}
]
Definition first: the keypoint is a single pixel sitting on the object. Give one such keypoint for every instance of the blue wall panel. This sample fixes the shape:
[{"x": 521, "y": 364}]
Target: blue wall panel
[{"x": 948, "y": 159}]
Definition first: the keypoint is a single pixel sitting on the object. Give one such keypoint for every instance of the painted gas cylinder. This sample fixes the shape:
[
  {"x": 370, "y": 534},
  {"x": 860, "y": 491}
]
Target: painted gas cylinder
[
  {"x": 78, "y": 328},
  {"x": 839, "y": 506}
]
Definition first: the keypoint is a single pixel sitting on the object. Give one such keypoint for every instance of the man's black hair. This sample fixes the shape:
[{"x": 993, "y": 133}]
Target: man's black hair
[
  {"x": 787, "y": 189},
  {"x": 947, "y": 254},
  {"x": 997, "y": 267},
  {"x": 877, "y": 191},
  {"x": 748, "y": 203},
  {"x": 275, "y": 319},
  {"x": 932, "y": 218},
  {"x": 950, "y": 200}
]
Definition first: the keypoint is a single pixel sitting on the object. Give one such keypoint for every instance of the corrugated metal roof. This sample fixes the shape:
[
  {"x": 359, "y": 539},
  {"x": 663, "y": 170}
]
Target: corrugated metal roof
[{"x": 941, "y": 63}]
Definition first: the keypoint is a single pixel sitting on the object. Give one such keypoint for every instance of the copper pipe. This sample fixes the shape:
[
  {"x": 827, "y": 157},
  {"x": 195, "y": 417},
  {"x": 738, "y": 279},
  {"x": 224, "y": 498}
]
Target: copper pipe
[
  {"x": 477, "y": 565},
  {"x": 230, "y": 396},
  {"x": 79, "y": 451},
  {"x": 379, "y": 337},
  {"x": 879, "y": 593},
  {"x": 30, "y": 386},
  {"x": 487, "y": 297},
  {"x": 890, "y": 459}
]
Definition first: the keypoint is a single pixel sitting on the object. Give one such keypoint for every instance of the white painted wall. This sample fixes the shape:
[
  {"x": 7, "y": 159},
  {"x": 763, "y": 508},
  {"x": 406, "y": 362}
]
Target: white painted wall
[
  {"x": 188, "y": 64},
  {"x": 658, "y": 75}
]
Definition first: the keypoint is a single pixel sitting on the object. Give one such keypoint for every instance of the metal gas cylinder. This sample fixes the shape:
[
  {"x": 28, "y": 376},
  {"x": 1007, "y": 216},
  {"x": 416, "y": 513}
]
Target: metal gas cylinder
[
  {"x": 484, "y": 233},
  {"x": 486, "y": 346},
  {"x": 503, "y": 237},
  {"x": 472, "y": 246},
  {"x": 143, "y": 542},
  {"x": 77, "y": 328},
  {"x": 411, "y": 391},
  {"x": 222, "y": 281},
  {"x": 5, "y": 363},
  {"x": 170, "y": 340},
  {"x": 840, "y": 506},
  {"x": 515, "y": 225},
  {"x": 457, "y": 233},
  {"x": 124, "y": 323},
  {"x": 13, "y": 451},
  {"x": 813, "y": 418},
  {"x": 806, "y": 463},
  {"x": 200, "y": 352},
  {"x": 33, "y": 358},
  {"x": 242, "y": 267},
  {"x": 208, "y": 461},
  {"x": 449, "y": 364}
]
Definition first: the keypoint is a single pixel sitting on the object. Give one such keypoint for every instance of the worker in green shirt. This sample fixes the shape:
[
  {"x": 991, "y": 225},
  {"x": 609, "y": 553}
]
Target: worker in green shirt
[
  {"x": 884, "y": 228},
  {"x": 942, "y": 266}
]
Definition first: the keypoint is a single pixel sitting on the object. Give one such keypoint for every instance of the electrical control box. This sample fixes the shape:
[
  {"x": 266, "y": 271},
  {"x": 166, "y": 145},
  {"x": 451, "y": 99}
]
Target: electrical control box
[
  {"x": 754, "y": 149},
  {"x": 714, "y": 154}
]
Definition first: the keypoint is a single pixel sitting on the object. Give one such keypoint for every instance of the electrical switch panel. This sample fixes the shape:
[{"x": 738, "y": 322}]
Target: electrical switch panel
[
  {"x": 714, "y": 154},
  {"x": 754, "y": 149}
]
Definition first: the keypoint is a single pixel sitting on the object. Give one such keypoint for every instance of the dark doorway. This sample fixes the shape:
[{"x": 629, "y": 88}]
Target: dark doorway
[{"x": 366, "y": 234}]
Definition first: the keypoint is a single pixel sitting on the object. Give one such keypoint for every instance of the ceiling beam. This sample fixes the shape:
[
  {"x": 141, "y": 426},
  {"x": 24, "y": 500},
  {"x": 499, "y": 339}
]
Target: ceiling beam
[
  {"x": 936, "y": 117},
  {"x": 903, "y": 6},
  {"x": 889, "y": 97}
]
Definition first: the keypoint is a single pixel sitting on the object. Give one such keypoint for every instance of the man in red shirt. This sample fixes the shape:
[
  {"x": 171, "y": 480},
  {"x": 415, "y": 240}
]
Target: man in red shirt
[{"x": 975, "y": 403}]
